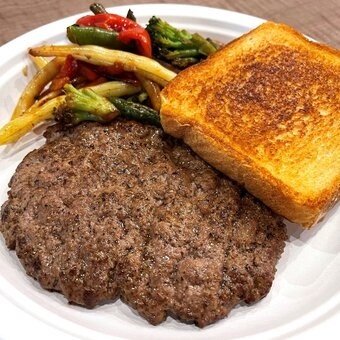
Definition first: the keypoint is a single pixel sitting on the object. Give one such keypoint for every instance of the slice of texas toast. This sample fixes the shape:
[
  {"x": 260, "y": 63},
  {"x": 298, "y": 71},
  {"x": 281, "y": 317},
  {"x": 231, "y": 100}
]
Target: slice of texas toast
[{"x": 265, "y": 110}]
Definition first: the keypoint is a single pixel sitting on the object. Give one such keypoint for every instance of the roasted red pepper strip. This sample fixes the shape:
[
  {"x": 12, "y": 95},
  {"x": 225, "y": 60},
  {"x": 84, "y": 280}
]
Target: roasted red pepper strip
[
  {"x": 87, "y": 71},
  {"x": 112, "y": 70},
  {"x": 142, "y": 39},
  {"x": 128, "y": 30},
  {"x": 65, "y": 75}
]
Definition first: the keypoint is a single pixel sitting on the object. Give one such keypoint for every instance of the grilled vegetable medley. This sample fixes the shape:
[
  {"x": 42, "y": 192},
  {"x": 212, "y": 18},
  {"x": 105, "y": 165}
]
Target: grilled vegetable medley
[{"x": 112, "y": 66}]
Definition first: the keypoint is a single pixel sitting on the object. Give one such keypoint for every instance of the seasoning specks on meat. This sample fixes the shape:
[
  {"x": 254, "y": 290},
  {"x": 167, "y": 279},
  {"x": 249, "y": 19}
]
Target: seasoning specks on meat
[{"x": 124, "y": 210}]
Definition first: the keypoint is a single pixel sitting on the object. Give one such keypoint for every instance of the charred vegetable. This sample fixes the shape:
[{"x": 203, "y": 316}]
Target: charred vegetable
[
  {"x": 97, "y": 8},
  {"x": 178, "y": 47},
  {"x": 136, "y": 111},
  {"x": 86, "y": 105}
]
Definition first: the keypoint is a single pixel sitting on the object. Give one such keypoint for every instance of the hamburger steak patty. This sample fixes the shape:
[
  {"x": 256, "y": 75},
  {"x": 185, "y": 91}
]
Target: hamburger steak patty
[{"x": 123, "y": 210}]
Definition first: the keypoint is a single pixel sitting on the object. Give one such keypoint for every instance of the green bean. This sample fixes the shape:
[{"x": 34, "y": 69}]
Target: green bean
[
  {"x": 97, "y": 8},
  {"x": 136, "y": 111},
  {"x": 86, "y": 35}
]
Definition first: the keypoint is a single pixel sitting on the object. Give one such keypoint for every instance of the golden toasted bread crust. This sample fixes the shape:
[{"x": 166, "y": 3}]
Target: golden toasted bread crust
[{"x": 265, "y": 110}]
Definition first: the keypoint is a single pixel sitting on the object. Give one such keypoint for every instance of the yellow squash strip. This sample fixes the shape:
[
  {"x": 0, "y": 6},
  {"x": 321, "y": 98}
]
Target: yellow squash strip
[
  {"x": 115, "y": 89},
  {"x": 44, "y": 109},
  {"x": 19, "y": 126},
  {"x": 153, "y": 77},
  {"x": 47, "y": 97},
  {"x": 102, "y": 56},
  {"x": 39, "y": 62},
  {"x": 153, "y": 90},
  {"x": 36, "y": 85}
]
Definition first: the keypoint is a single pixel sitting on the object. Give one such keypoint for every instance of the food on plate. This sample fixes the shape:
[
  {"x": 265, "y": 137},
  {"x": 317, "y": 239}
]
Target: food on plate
[
  {"x": 36, "y": 86},
  {"x": 125, "y": 210},
  {"x": 106, "y": 57},
  {"x": 178, "y": 47},
  {"x": 261, "y": 121},
  {"x": 116, "y": 207},
  {"x": 86, "y": 105},
  {"x": 265, "y": 110},
  {"x": 108, "y": 47},
  {"x": 46, "y": 109}
]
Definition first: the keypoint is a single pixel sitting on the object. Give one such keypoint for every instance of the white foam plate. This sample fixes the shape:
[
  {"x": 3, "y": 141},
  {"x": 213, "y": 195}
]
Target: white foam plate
[{"x": 303, "y": 303}]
